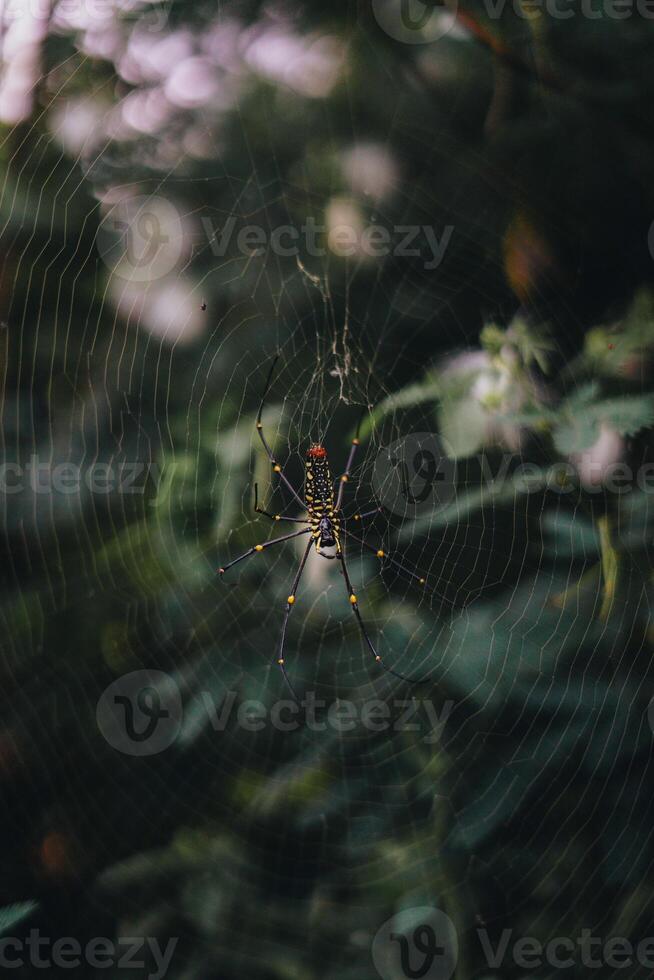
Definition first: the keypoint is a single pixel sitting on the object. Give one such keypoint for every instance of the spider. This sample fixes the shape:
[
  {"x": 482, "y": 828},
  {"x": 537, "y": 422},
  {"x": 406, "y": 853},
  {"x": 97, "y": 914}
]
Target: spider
[{"x": 326, "y": 527}]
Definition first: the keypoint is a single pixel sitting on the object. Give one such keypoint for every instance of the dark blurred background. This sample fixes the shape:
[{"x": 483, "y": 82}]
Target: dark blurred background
[{"x": 440, "y": 218}]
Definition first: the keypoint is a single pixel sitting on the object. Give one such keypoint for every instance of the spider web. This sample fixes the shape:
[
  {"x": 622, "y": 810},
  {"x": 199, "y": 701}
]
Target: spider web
[{"x": 261, "y": 848}]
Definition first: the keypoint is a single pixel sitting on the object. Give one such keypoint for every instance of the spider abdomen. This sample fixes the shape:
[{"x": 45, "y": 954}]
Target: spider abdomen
[{"x": 319, "y": 496}]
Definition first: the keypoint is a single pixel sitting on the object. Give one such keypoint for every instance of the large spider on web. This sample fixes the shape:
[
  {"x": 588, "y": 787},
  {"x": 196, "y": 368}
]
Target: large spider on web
[{"x": 327, "y": 529}]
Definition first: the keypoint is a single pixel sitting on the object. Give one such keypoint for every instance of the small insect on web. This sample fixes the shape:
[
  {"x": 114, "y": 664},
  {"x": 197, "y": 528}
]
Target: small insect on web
[{"x": 327, "y": 528}]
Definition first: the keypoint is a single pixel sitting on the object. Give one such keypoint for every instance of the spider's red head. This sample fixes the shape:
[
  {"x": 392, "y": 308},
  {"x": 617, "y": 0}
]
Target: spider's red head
[{"x": 316, "y": 451}]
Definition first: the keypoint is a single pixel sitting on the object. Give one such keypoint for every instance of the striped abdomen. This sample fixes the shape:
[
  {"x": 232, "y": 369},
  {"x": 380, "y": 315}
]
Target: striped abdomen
[{"x": 319, "y": 496}]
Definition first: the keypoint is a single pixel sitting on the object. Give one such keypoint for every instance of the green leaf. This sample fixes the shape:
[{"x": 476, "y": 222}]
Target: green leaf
[
  {"x": 12, "y": 915},
  {"x": 463, "y": 426},
  {"x": 492, "y": 339},
  {"x": 585, "y": 394},
  {"x": 576, "y": 434},
  {"x": 533, "y": 345},
  {"x": 414, "y": 394},
  {"x": 626, "y": 415}
]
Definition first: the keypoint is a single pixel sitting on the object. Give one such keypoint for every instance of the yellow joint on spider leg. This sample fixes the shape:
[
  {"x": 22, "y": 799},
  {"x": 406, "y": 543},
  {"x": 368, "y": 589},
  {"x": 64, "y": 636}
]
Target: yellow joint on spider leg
[
  {"x": 377, "y": 658},
  {"x": 291, "y": 600},
  {"x": 277, "y": 468},
  {"x": 355, "y": 442},
  {"x": 353, "y": 599},
  {"x": 344, "y": 478},
  {"x": 258, "y": 547},
  {"x": 381, "y": 554},
  {"x": 281, "y": 661}
]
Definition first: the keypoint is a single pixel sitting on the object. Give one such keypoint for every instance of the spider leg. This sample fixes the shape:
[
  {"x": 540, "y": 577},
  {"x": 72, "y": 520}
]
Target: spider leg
[
  {"x": 364, "y": 632},
  {"x": 368, "y": 513},
  {"x": 348, "y": 466},
  {"x": 262, "y": 547},
  {"x": 274, "y": 517},
  {"x": 289, "y": 605},
  {"x": 269, "y": 453},
  {"x": 384, "y": 556}
]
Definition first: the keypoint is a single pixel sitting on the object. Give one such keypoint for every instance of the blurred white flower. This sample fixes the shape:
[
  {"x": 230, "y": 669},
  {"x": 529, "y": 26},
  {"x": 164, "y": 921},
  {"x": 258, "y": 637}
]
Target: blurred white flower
[
  {"x": 220, "y": 43},
  {"x": 150, "y": 57},
  {"x": 592, "y": 464},
  {"x": 371, "y": 170},
  {"x": 492, "y": 386},
  {"x": 105, "y": 42},
  {"x": 310, "y": 66},
  {"x": 192, "y": 82},
  {"x": 168, "y": 309},
  {"x": 477, "y": 391},
  {"x": 345, "y": 226},
  {"x": 25, "y": 26},
  {"x": 78, "y": 124},
  {"x": 83, "y": 15},
  {"x": 146, "y": 110}
]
